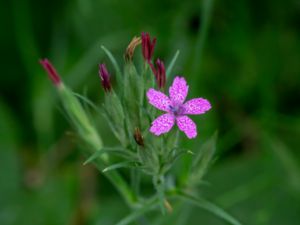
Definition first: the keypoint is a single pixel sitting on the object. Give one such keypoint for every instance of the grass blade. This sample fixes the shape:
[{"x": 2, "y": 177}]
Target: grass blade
[
  {"x": 138, "y": 213},
  {"x": 86, "y": 100},
  {"x": 202, "y": 160},
  {"x": 172, "y": 63},
  {"x": 118, "y": 151},
  {"x": 114, "y": 63},
  {"x": 127, "y": 164},
  {"x": 202, "y": 34},
  {"x": 286, "y": 158},
  {"x": 204, "y": 204}
]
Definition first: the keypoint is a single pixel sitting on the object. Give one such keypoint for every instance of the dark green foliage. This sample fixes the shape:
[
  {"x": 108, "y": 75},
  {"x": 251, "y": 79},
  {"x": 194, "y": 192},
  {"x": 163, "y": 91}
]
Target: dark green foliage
[{"x": 249, "y": 68}]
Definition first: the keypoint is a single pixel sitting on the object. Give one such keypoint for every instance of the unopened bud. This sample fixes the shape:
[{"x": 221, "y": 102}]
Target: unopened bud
[
  {"x": 105, "y": 78},
  {"x": 131, "y": 47},
  {"x": 49, "y": 68},
  {"x": 147, "y": 46},
  {"x": 138, "y": 137},
  {"x": 159, "y": 73}
]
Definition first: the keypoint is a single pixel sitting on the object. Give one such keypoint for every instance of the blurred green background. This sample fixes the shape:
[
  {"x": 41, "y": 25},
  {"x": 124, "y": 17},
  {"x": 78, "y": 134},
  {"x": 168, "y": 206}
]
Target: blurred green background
[{"x": 244, "y": 56}]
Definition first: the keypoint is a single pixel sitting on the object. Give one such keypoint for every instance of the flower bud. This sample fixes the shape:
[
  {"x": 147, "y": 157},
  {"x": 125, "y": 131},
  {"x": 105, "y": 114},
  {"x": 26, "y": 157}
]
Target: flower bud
[
  {"x": 105, "y": 78},
  {"x": 131, "y": 47},
  {"x": 147, "y": 46},
  {"x": 138, "y": 137},
  {"x": 53, "y": 75},
  {"x": 159, "y": 73}
]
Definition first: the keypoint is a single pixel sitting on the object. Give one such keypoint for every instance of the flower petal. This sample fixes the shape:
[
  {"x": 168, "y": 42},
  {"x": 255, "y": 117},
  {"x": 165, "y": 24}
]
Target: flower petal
[
  {"x": 196, "y": 106},
  {"x": 187, "y": 125},
  {"x": 162, "y": 124},
  {"x": 158, "y": 99},
  {"x": 179, "y": 90}
]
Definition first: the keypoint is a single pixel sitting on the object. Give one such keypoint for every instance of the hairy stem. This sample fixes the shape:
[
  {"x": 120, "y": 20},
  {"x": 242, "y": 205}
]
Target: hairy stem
[{"x": 92, "y": 139}]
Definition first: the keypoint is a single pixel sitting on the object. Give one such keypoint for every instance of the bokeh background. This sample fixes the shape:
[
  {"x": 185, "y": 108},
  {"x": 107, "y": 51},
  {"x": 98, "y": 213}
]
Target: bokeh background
[{"x": 242, "y": 55}]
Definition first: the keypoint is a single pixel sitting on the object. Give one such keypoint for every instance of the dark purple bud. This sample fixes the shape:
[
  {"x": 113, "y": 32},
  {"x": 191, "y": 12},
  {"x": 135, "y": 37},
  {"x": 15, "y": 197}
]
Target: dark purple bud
[
  {"x": 105, "y": 77},
  {"x": 153, "y": 69},
  {"x": 160, "y": 73},
  {"x": 147, "y": 46},
  {"x": 53, "y": 75}
]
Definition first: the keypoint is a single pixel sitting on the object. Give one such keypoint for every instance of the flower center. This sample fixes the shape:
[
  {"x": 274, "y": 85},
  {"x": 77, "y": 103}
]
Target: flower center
[{"x": 176, "y": 110}]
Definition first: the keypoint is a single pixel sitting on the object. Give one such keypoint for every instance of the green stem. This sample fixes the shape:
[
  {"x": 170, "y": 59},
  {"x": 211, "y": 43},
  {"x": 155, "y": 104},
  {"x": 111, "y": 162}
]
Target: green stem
[
  {"x": 159, "y": 184},
  {"x": 209, "y": 206},
  {"x": 146, "y": 207},
  {"x": 135, "y": 181},
  {"x": 177, "y": 139},
  {"x": 120, "y": 184},
  {"x": 90, "y": 136}
]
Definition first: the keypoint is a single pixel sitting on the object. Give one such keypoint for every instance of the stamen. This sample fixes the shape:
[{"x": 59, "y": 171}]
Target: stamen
[{"x": 176, "y": 110}]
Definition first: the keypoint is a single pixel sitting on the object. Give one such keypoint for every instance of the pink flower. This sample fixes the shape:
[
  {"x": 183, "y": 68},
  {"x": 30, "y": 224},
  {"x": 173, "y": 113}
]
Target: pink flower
[{"x": 175, "y": 108}]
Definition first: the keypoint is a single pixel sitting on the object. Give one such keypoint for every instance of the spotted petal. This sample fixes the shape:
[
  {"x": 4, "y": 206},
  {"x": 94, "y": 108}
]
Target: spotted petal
[
  {"x": 196, "y": 106},
  {"x": 158, "y": 99},
  {"x": 179, "y": 90},
  {"x": 187, "y": 125},
  {"x": 162, "y": 124}
]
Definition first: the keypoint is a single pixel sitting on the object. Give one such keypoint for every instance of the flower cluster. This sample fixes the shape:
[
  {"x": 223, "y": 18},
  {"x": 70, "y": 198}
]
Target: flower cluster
[
  {"x": 174, "y": 106},
  {"x": 131, "y": 117}
]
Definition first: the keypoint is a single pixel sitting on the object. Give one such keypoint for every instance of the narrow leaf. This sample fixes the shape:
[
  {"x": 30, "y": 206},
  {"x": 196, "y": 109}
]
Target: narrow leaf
[
  {"x": 181, "y": 153},
  {"x": 118, "y": 151},
  {"x": 92, "y": 157},
  {"x": 127, "y": 164},
  {"x": 286, "y": 158},
  {"x": 115, "y": 64},
  {"x": 202, "y": 35},
  {"x": 86, "y": 100},
  {"x": 173, "y": 156},
  {"x": 203, "y": 158},
  {"x": 139, "y": 212},
  {"x": 204, "y": 204},
  {"x": 172, "y": 63}
]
